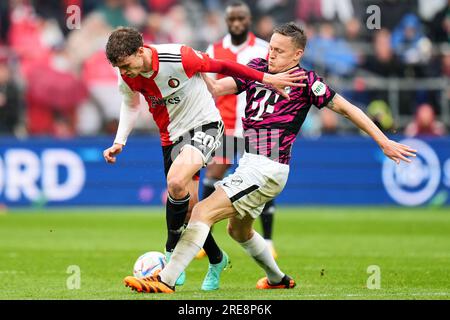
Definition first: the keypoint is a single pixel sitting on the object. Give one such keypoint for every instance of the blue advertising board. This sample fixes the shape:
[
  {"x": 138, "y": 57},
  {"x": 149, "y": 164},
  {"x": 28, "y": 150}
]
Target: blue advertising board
[{"x": 338, "y": 170}]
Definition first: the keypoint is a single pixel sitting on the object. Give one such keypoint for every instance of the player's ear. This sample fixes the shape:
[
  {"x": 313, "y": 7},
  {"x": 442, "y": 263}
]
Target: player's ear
[
  {"x": 140, "y": 51},
  {"x": 298, "y": 54}
]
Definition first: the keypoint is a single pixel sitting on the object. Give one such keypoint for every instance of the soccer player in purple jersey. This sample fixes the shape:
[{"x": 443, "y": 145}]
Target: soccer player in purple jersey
[{"x": 271, "y": 124}]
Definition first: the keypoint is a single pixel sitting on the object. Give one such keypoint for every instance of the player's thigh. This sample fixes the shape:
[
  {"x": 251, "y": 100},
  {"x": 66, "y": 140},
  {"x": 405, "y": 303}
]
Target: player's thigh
[
  {"x": 216, "y": 170},
  {"x": 240, "y": 229},
  {"x": 185, "y": 166},
  {"x": 213, "y": 209}
]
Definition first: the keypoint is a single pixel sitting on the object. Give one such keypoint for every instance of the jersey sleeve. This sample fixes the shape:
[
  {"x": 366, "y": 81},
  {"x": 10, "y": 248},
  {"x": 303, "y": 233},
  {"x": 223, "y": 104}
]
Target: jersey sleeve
[
  {"x": 195, "y": 61},
  {"x": 241, "y": 83},
  {"x": 129, "y": 111},
  {"x": 319, "y": 93}
]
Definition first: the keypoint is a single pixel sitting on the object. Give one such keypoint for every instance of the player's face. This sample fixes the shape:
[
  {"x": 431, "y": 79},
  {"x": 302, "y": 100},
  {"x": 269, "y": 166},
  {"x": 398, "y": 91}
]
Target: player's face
[
  {"x": 283, "y": 54},
  {"x": 238, "y": 20},
  {"x": 132, "y": 65}
]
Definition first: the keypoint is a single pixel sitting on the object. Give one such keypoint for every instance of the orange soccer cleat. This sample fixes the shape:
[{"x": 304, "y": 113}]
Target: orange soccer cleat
[
  {"x": 285, "y": 283},
  {"x": 152, "y": 284}
]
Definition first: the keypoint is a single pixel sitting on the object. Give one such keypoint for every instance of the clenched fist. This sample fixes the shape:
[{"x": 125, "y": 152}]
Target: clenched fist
[{"x": 111, "y": 153}]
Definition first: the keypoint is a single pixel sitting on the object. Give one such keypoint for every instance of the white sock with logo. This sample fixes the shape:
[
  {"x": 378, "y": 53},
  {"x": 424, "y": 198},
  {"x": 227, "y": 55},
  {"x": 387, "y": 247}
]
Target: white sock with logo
[
  {"x": 258, "y": 249},
  {"x": 191, "y": 241}
]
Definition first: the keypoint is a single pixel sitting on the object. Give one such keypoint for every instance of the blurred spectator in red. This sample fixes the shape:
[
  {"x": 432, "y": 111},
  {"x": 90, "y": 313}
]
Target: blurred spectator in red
[
  {"x": 25, "y": 35},
  {"x": 10, "y": 99},
  {"x": 53, "y": 94},
  {"x": 161, "y": 6},
  {"x": 102, "y": 110},
  {"x": 425, "y": 123}
]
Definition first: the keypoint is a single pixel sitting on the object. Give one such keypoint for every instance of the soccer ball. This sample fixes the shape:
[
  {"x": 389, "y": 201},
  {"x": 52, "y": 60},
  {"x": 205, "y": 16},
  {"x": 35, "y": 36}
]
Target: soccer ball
[{"x": 147, "y": 264}]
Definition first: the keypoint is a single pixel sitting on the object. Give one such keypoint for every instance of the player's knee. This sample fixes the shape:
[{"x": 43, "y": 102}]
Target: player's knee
[
  {"x": 199, "y": 213},
  {"x": 176, "y": 187}
]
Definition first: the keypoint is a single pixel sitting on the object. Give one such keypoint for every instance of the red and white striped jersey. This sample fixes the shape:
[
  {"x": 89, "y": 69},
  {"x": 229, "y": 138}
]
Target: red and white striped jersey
[
  {"x": 232, "y": 107},
  {"x": 176, "y": 94}
]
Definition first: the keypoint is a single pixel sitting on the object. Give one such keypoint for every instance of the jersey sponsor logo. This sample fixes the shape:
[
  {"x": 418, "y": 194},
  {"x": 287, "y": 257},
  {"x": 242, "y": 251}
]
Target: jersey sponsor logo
[
  {"x": 173, "y": 100},
  {"x": 319, "y": 88},
  {"x": 173, "y": 83},
  {"x": 153, "y": 101}
]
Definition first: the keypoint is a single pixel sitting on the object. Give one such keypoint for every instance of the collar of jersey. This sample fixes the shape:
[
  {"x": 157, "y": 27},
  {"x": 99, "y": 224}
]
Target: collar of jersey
[
  {"x": 155, "y": 64},
  {"x": 227, "y": 44}
]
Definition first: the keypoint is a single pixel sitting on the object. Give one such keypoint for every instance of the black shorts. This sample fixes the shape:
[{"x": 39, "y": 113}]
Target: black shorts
[{"x": 205, "y": 138}]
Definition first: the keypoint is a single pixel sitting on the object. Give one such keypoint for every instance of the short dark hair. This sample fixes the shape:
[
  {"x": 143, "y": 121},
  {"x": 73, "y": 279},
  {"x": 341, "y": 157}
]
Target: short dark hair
[
  {"x": 237, "y": 3},
  {"x": 123, "y": 42},
  {"x": 293, "y": 31}
]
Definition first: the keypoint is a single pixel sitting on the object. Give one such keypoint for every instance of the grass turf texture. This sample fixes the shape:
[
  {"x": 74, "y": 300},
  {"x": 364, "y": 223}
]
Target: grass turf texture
[{"x": 327, "y": 251}]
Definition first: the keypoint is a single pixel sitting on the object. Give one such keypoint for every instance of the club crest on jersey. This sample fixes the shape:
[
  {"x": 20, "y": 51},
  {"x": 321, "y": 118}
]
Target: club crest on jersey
[
  {"x": 288, "y": 90},
  {"x": 173, "y": 83},
  {"x": 319, "y": 88}
]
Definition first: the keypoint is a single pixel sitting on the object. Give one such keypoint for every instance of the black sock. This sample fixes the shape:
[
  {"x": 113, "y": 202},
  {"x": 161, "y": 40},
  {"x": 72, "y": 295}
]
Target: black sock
[
  {"x": 267, "y": 219},
  {"x": 208, "y": 187},
  {"x": 212, "y": 250},
  {"x": 176, "y": 210}
]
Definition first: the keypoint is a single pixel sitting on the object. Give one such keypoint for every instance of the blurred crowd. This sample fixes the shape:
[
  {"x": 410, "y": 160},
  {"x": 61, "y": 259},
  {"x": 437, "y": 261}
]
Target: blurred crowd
[{"x": 55, "y": 79}]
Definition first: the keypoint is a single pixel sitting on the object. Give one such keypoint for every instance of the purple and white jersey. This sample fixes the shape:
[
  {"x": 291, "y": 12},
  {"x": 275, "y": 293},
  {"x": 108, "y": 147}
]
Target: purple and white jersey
[{"x": 271, "y": 122}]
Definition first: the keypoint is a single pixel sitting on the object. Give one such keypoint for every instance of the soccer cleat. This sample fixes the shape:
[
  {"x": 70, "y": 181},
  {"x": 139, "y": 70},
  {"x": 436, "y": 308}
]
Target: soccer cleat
[
  {"x": 151, "y": 284},
  {"x": 285, "y": 283},
  {"x": 182, "y": 278},
  {"x": 212, "y": 278},
  {"x": 201, "y": 254}
]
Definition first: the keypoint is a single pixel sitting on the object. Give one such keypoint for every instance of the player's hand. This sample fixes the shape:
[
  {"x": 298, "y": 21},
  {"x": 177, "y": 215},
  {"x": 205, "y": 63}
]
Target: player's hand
[
  {"x": 111, "y": 153},
  {"x": 290, "y": 78},
  {"x": 397, "y": 151}
]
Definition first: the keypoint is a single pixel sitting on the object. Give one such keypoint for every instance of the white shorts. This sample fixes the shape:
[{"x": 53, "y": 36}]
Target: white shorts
[{"x": 257, "y": 180}]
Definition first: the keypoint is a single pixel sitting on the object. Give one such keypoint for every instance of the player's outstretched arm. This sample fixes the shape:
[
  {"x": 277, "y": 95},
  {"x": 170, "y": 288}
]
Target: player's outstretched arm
[
  {"x": 392, "y": 149},
  {"x": 196, "y": 61},
  {"x": 220, "y": 87}
]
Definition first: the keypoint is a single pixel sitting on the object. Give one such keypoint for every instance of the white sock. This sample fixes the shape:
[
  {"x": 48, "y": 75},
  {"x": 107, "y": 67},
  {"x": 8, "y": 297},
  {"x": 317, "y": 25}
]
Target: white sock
[
  {"x": 258, "y": 249},
  {"x": 191, "y": 241}
]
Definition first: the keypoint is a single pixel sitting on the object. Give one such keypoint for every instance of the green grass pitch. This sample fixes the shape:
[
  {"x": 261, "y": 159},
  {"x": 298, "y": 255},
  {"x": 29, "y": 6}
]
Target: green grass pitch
[{"x": 327, "y": 251}]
